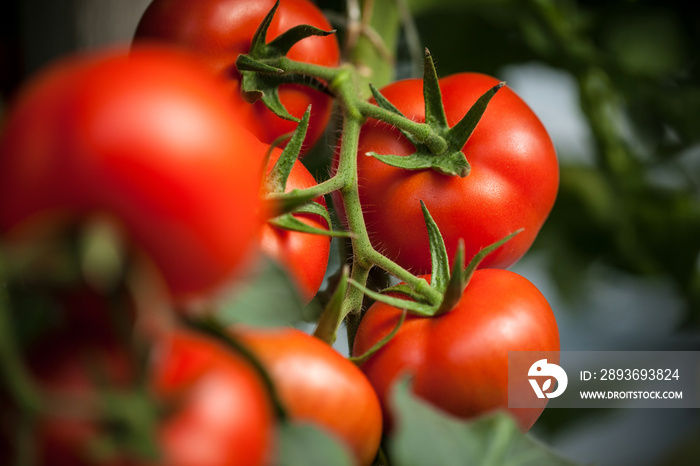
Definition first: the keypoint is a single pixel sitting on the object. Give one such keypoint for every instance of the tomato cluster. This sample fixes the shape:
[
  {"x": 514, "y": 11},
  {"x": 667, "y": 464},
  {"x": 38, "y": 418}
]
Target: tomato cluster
[{"x": 199, "y": 181}]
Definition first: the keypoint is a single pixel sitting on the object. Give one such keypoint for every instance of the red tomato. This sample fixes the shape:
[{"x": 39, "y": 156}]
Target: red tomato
[
  {"x": 220, "y": 30},
  {"x": 512, "y": 185},
  {"x": 318, "y": 385},
  {"x": 147, "y": 138},
  {"x": 216, "y": 408},
  {"x": 459, "y": 360},
  {"x": 223, "y": 415},
  {"x": 304, "y": 255}
]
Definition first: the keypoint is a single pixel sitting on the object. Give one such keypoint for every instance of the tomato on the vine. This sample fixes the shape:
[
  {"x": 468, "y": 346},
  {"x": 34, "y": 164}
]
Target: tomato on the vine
[
  {"x": 220, "y": 30},
  {"x": 146, "y": 137},
  {"x": 512, "y": 184},
  {"x": 317, "y": 384},
  {"x": 303, "y": 255},
  {"x": 459, "y": 360}
]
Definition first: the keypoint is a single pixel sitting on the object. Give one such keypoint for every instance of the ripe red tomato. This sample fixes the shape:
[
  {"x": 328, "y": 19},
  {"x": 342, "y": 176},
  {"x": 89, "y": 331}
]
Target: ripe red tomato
[
  {"x": 303, "y": 255},
  {"x": 512, "y": 185},
  {"x": 318, "y": 385},
  {"x": 220, "y": 30},
  {"x": 222, "y": 412},
  {"x": 216, "y": 409},
  {"x": 459, "y": 360},
  {"x": 147, "y": 138}
]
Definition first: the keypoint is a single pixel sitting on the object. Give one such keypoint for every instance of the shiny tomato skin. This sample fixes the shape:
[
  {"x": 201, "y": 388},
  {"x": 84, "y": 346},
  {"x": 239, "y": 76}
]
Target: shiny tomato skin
[
  {"x": 513, "y": 181},
  {"x": 303, "y": 255},
  {"x": 318, "y": 385},
  {"x": 459, "y": 360},
  {"x": 145, "y": 137},
  {"x": 219, "y": 30}
]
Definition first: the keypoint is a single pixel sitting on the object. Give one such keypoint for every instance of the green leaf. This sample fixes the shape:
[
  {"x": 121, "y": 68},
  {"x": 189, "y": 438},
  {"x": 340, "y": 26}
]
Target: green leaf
[
  {"x": 425, "y": 435},
  {"x": 282, "y": 43},
  {"x": 451, "y": 164},
  {"x": 314, "y": 208},
  {"x": 257, "y": 45},
  {"x": 458, "y": 135},
  {"x": 276, "y": 180},
  {"x": 440, "y": 264},
  {"x": 306, "y": 445},
  {"x": 265, "y": 297},
  {"x": 434, "y": 109}
]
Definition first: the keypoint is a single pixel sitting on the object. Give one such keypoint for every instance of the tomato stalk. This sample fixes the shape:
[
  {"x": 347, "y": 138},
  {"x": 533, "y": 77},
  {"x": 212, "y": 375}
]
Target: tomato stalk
[
  {"x": 437, "y": 146},
  {"x": 365, "y": 256},
  {"x": 342, "y": 84}
]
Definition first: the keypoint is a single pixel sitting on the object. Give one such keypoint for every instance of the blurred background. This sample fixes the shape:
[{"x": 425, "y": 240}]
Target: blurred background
[{"x": 617, "y": 85}]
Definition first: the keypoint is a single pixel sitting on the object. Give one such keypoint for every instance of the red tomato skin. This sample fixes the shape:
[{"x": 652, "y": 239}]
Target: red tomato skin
[
  {"x": 513, "y": 181},
  {"x": 226, "y": 418},
  {"x": 146, "y": 138},
  {"x": 318, "y": 385},
  {"x": 303, "y": 255},
  {"x": 459, "y": 360},
  {"x": 220, "y": 30}
]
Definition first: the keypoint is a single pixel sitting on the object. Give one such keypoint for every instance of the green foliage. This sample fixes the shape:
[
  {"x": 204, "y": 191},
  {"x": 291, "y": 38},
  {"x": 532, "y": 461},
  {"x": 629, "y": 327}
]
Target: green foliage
[
  {"x": 293, "y": 448},
  {"x": 267, "y": 298},
  {"x": 423, "y": 435}
]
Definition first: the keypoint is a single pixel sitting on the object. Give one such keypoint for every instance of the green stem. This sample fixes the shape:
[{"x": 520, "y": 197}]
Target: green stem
[
  {"x": 417, "y": 283},
  {"x": 361, "y": 245},
  {"x": 342, "y": 83},
  {"x": 325, "y": 73},
  {"x": 328, "y": 186}
]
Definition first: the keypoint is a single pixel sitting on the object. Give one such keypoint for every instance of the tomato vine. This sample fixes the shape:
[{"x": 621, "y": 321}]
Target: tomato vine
[{"x": 208, "y": 182}]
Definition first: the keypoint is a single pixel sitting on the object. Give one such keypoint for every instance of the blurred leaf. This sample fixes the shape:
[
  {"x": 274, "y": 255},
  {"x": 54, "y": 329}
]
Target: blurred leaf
[
  {"x": 266, "y": 297},
  {"x": 423, "y": 435},
  {"x": 644, "y": 42},
  {"x": 305, "y": 445}
]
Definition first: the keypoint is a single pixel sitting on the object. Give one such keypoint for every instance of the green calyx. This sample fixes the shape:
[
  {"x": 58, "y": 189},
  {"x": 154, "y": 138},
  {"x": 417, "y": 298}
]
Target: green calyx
[
  {"x": 445, "y": 157},
  {"x": 261, "y": 78},
  {"x": 449, "y": 284}
]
